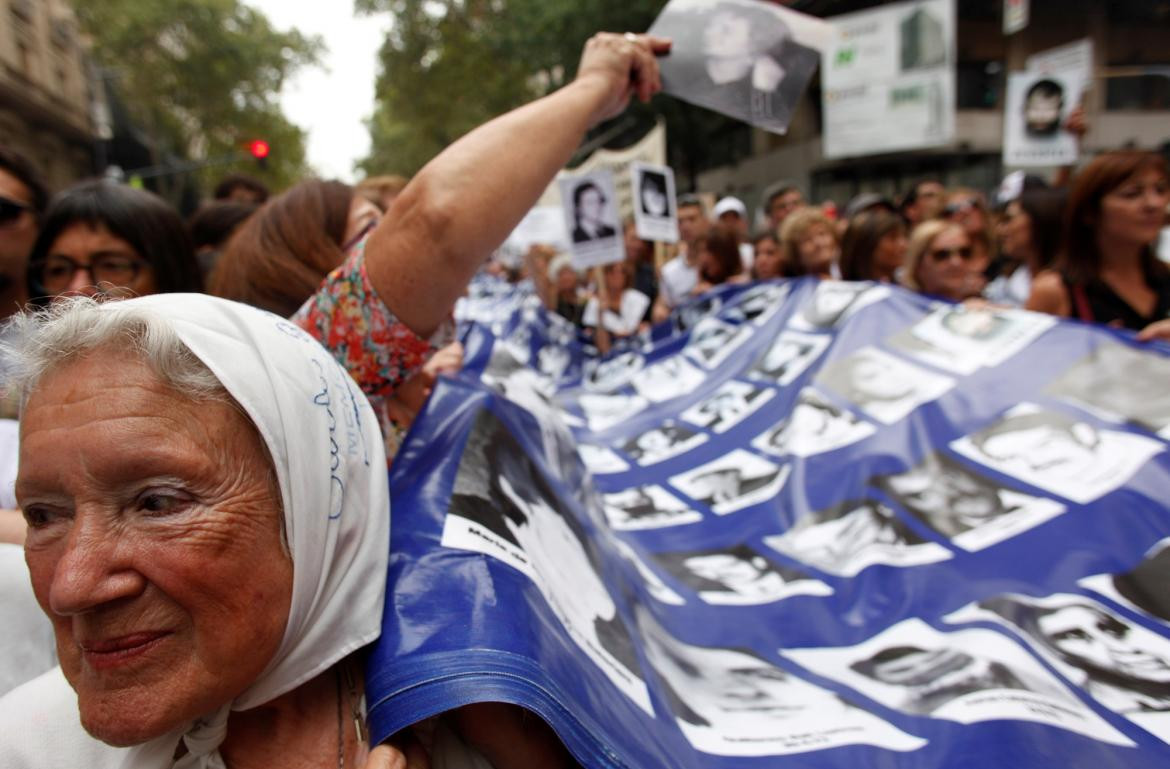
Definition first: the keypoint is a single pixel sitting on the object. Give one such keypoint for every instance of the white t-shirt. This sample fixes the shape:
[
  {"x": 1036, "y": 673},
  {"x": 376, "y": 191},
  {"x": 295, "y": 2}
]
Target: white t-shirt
[
  {"x": 747, "y": 256},
  {"x": 677, "y": 281},
  {"x": 634, "y": 304}
]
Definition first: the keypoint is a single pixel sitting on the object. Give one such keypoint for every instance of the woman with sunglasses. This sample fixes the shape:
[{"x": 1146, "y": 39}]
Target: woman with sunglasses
[
  {"x": 104, "y": 238},
  {"x": 940, "y": 262}
]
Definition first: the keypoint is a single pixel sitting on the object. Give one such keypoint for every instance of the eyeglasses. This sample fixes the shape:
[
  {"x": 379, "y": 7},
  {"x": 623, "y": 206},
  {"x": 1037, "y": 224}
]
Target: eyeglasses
[
  {"x": 54, "y": 274},
  {"x": 943, "y": 254},
  {"x": 10, "y": 210}
]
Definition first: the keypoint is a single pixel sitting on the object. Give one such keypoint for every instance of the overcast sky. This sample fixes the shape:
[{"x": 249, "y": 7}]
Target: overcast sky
[{"x": 332, "y": 101}]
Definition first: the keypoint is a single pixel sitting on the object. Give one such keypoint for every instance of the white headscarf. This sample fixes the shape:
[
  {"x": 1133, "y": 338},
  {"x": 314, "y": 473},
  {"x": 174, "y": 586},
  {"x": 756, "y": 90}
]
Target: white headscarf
[{"x": 324, "y": 440}]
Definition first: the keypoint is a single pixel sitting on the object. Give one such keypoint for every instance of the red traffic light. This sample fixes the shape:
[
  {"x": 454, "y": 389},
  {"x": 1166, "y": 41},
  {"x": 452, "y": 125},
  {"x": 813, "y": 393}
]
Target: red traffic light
[{"x": 259, "y": 149}]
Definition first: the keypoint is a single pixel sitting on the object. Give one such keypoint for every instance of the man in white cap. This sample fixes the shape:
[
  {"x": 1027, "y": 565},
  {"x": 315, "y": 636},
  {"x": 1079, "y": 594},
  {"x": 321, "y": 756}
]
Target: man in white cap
[{"x": 732, "y": 213}]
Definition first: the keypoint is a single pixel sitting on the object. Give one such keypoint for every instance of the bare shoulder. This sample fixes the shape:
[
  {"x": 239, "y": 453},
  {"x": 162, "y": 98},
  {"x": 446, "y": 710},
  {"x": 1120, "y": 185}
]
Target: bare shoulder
[{"x": 1049, "y": 294}]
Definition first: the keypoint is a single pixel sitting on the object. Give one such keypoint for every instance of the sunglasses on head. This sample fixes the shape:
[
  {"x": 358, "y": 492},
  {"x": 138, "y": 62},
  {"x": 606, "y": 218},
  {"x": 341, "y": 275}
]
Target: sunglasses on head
[{"x": 11, "y": 209}]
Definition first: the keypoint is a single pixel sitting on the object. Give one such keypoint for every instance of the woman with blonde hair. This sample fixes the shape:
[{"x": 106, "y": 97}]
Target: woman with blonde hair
[
  {"x": 808, "y": 241},
  {"x": 940, "y": 261}
]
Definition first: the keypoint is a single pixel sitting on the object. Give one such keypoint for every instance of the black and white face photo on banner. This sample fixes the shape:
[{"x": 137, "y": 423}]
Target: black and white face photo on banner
[
  {"x": 964, "y": 506},
  {"x": 712, "y": 341},
  {"x": 647, "y": 507},
  {"x": 729, "y": 702},
  {"x": 833, "y": 301},
  {"x": 980, "y": 336},
  {"x": 738, "y": 576},
  {"x": 1060, "y": 453},
  {"x": 669, "y": 378},
  {"x": 732, "y": 482},
  {"x": 965, "y": 676},
  {"x": 662, "y": 442},
  {"x": 757, "y": 304},
  {"x": 1120, "y": 383},
  {"x": 592, "y": 219},
  {"x": 501, "y": 506},
  {"x": 789, "y": 356},
  {"x": 883, "y": 386},
  {"x": 731, "y": 404},
  {"x": 1142, "y": 588},
  {"x": 605, "y": 376},
  {"x": 814, "y": 426},
  {"x": 1037, "y": 106},
  {"x": 849, "y": 537},
  {"x": 655, "y": 216},
  {"x": 1119, "y": 663},
  {"x": 747, "y": 59}
]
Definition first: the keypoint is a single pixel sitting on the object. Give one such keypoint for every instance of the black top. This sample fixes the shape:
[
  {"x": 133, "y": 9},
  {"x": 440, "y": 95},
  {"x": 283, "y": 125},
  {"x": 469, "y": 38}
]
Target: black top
[{"x": 1095, "y": 301}]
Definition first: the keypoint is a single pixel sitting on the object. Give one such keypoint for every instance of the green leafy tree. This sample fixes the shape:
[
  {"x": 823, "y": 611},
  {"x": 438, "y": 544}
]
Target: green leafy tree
[{"x": 202, "y": 78}]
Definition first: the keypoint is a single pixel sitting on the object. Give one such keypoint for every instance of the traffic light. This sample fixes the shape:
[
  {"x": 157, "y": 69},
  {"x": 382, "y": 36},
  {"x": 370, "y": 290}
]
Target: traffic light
[{"x": 259, "y": 149}]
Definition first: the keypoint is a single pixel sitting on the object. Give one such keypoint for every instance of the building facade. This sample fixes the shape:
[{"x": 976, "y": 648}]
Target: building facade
[
  {"x": 46, "y": 101},
  {"x": 1129, "y": 111}
]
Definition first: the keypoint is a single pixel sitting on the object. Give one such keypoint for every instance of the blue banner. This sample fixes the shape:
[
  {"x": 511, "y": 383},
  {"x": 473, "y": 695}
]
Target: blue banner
[{"x": 818, "y": 524}]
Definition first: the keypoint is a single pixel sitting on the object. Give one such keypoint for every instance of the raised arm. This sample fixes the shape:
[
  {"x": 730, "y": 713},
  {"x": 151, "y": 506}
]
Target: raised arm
[{"x": 463, "y": 204}]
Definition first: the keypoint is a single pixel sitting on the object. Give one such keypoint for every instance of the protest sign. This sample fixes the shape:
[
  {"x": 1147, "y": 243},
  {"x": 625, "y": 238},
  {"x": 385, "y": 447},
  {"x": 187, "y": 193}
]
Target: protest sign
[
  {"x": 1036, "y": 109},
  {"x": 889, "y": 80},
  {"x": 655, "y": 217},
  {"x": 591, "y": 219},
  {"x": 1015, "y": 15},
  {"x": 748, "y": 59}
]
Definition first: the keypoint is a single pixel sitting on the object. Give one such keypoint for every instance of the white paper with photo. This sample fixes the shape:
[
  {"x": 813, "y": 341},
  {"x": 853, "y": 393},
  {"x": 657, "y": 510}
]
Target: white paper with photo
[
  {"x": 1141, "y": 589},
  {"x": 896, "y": 62},
  {"x": 833, "y": 301},
  {"x": 1036, "y": 108},
  {"x": 608, "y": 375},
  {"x": 668, "y": 378},
  {"x": 732, "y": 403},
  {"x": 542, "y": 225},
  {"x": 1116, "y": 661},
  {"x": 788, "y": 714},
  {"x": 712, "y": 341},
  {"x": 853, "y": 536},
  {"x": 789, "y": 356},
  {"x": 815, "y": 426},
  {"x": 1055, "y": 452},
  {"x": 969, "y": 509},
  {"x": 986, "y": 336},
  {"x": 749, "y": 60},
  {"x": 1122, "y": 384},
  {"x": 757, "y": 304},
  {"x": 732, "y": 482},
  {"x": 738, "y": 576},
  {"x": 662, "y": 442},
  {"x": 910, "y": 346},
  {"x": 654, "y": 202},
  {"x": 647, "y": 507},
  {"x": 589, "y": 205},
  {"x": 601, "y": 460},
  {"x": 654, "y": 584},
  {"x": 604, "y": 411},
  {"x": 884, "y": 387},
  {"x": 966, "y": 676}
]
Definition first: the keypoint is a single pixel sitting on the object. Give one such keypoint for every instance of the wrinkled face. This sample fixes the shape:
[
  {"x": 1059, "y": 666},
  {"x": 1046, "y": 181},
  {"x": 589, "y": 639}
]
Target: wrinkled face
[
  {"x": 769, "y": 262},
  {"x": 1082, "y": 633},
  {"x": 947, "y": 268},
  {"x": 817, "y": 250},
  {"x": 154, "y": 545},
  {"x": 106, "y": 264},
  {"x": 1133, "y": 213}
]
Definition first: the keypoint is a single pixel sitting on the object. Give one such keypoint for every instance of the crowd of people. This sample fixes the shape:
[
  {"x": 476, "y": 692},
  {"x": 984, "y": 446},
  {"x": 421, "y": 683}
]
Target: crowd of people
[{"x": 178, "y": 448}]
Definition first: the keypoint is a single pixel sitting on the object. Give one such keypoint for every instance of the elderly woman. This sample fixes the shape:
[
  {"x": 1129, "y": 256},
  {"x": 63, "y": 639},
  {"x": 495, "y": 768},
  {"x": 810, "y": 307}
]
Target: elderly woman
[
  {"x": 206, "y": 493},
  {"x": 941, "y": 263}
]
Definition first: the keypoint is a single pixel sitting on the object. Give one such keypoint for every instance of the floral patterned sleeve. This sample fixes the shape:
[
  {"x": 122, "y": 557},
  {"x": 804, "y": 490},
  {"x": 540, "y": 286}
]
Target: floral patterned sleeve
[{"x": 351, "y": 320}]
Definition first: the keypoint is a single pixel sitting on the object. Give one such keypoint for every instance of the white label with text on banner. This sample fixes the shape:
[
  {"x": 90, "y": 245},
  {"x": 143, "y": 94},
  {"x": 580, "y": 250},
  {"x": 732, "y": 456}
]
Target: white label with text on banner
[
  {"x": 592, "y": 220},
  {"x": 655, "y": 217}
]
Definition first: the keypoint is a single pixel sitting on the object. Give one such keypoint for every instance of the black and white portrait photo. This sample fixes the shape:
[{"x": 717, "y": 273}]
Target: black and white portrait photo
[
  {"x": 712, "y": 341},
  {"x": 733, "y": 402},
  {"x": 1142, "y": 588},
  {"x": 757, "y": 304},
  {"x": 732, "y": 482},
  {"x": 849, "y": 537},
  {"x": 1121, "y": 664},
  {"x": 884, "y": 387},
  {"x": 815, "y": 426},
  {"x": 654, "y": 205},
  {"x": 980, "y": 336},
  {"x": 1057, "y": 452},
  {"x": 738, "y": 576},
  {"x": 964, "y": 506},
  {"x": 729, "y": 702},
  {"x": 592, "y": 219},
  {"x": 966, "y": 676},
  {"x": 647, "y": 507},
  {"x": 746, "y": 59},
  {"x": 669, "y": 378},
  {"x": 663, "y": 442},
  {"x": 502, "y": 506},
  {"x": 612, "y": 373},
  {"x": 789, "y": 356},
  {"x": 834, "y": 300},
  {"x": 1121, "y": 383}
]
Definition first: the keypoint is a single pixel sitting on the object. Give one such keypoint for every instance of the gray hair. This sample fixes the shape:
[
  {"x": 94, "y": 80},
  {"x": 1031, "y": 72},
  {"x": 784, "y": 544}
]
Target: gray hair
[{"x": 71, "y": 327}]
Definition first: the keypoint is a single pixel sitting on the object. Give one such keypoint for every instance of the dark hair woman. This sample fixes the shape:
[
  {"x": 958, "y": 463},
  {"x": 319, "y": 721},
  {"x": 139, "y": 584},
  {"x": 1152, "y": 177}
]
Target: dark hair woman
[
  {"x": 1107, "y": 271},
  {"x": 719, "y": 260},
  {"x": 1029, "y": 236},
  {"x": 873, "y": 247},
  {"x": 100, "y": 237}
]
